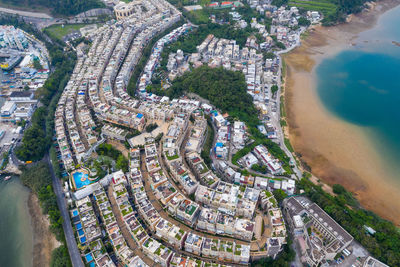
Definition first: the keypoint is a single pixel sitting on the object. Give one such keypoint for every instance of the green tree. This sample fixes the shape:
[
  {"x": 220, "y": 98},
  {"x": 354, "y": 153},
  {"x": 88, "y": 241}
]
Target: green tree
[
  {"x": 60, "y": 257},
  {"x": 303, "y": 21},
  {"x": 122, "y": 163},
  {"x": 279, "y": 195}
]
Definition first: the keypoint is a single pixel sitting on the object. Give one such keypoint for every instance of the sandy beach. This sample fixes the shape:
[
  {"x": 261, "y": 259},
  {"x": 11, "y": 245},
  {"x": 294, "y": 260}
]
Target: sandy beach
[
  {"x": 336, "y": 151},
  {"x": 43, "y": 240}
]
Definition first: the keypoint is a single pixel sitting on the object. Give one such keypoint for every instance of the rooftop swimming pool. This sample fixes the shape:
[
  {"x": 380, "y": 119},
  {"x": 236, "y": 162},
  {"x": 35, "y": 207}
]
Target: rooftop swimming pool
[
  {"x": 80, "y": 232},
  {"x": 81, "y": 179},
  {"x": 89, "y": 257},
  {"x": 75, "y": 213}
]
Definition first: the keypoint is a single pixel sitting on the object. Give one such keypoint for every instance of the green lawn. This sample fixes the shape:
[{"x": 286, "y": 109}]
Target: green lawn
[
  {"x": 200, "y": 16},
  {"x": 324, "y": 6},
  {"x": 57, "y": 31}
]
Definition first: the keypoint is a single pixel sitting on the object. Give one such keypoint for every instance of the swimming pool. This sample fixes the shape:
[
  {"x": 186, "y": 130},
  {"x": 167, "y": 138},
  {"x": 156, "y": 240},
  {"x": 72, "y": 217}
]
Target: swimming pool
[
  {"x": 80, "y": 232},
  {"x": 89, "y": 257},
  {"x": 82, "y": 239},
  {"x": 75, "y": 213},
  {"x": 81, "y": 179},
  {"x": 78, "y": 226}
]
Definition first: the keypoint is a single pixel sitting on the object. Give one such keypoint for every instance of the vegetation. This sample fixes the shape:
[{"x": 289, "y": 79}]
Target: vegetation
[
  {"x": 259, "y": 168},
  {"x": 227, "y": 90},
  {"x": 151, "y": 127},
  {"x": 108, "y": 150},
  {"x": 131, "y": 88},
  {"x": 384, "y": 245},
  {"x": 273, "y": 148},
  {"x": 288, "y": 145},
  {"x": 38, "y": 137},
  {"x": 334, "y": 11},
  {"x": 274, "y": 89},
  {"x": 303, "y": 21},
  {"x": 36, "y": 64},
  {"x": 60, "y": 257},
  {"x": 59, "y": 7},
  {"x": 283, "y": 259},
  {"x": 279, "y": 195},
  {"x": 58, "y": 31},
  {"x": 34, "y": 143},
  {"x": 205, "y": 152},
  {"x": 38, "y": 178}
]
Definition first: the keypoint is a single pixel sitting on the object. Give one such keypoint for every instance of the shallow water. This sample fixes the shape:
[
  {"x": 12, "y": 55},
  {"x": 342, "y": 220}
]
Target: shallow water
[
  {"x": 361, "y": 86},
  {"x": 15, "y": 224}
]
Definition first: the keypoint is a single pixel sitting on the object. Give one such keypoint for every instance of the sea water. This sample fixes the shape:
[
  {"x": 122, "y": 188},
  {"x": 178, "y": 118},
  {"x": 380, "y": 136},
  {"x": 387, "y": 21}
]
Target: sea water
[
  {"x": 16, "y": 234},
  {"x": 361, "y": 85}
]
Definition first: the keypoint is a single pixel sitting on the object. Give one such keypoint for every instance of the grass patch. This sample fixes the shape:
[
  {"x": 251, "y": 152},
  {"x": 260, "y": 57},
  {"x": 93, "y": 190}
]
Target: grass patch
[
  {"x": 326, "y": 7},
  {"x": 288, "y": 145},
  {"x": 282, "y": 107},
  {"x": 58, "y": 32}
]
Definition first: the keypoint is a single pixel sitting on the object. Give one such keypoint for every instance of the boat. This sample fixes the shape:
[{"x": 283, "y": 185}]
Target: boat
[{"x": 7, "y": 178}]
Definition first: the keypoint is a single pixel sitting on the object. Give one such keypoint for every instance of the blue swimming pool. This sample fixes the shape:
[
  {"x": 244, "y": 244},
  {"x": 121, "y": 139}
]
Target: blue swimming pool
[
  {"x": 80, "y": 232},
  {"x": 89, "y": 257},
  {"x": 75, "y": 213},
  {"x": 78, "y": 226},
  {"x": 81, "y": 179},
  {"x": 92, "y": 264},
  {"x": 82, "y": 239}
]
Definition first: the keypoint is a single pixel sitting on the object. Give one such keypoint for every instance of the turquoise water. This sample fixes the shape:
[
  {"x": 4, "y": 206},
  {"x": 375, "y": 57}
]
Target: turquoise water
[
  {"x": 361, "y": 86},
  {"x": 78, "y": 179},
  {"x": 16, "y": 234}
]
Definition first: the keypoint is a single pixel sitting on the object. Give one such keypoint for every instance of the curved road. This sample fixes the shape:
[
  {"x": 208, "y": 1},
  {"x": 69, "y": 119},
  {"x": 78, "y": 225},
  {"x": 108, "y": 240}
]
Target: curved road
[{"x": 62, "y": 205}]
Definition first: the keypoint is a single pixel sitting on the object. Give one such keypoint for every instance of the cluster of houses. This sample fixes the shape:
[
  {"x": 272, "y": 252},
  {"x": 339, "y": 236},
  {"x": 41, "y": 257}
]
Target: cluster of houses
[
  {"x": 172, "y": 173},
  {"x": 89, "y": 233},
  {"x": 155, "y": 56},
  {"x": 175, "y": 203},
  {"x": 103, "y": 75}
]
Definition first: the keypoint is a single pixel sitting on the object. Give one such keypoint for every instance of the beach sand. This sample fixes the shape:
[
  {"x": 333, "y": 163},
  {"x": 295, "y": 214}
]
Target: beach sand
[
  {"x": 43, "y": 240},
  {"x": 336, "y": 151}
]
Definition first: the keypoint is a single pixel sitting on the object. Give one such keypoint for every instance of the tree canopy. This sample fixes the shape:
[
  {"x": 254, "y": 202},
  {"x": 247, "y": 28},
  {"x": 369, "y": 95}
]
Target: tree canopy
[
  {"x": 60, "y": 7},
  {"x": 225, "y": 89}
]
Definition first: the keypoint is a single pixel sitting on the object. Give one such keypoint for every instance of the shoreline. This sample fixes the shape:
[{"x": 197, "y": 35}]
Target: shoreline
[
  {"x": 337, "y": 151},
  {"x": 44, "y": 241}
]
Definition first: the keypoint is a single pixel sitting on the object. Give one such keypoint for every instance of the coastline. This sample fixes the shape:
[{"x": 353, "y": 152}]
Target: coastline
[
  {"x": 44, "y": 241},
  {"x": 336, "y": 151}
]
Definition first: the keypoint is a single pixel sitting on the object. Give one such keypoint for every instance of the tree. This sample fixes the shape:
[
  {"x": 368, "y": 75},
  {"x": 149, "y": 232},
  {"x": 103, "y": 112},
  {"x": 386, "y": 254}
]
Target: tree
[
  {"x": 60, "y": 257},
  {"x": 61, "y": 7},
  {"x": 279, "y": 195},
  {"x": 36, "y": 64},
  {"x": 122, "y": 163},
  {"x": 303, "y": 21},
  {"x": 34, "y": 144},
  {"x": 280, "y": 45},
  {"x": 274, "y": 89},
  {"x": 338, "y": 189}
]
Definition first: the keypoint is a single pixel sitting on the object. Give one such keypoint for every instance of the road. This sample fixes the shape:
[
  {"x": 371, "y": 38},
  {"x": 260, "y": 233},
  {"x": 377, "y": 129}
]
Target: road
[
  {"x": 62, "y": 205},
  {"x": 281, "y": 135}
]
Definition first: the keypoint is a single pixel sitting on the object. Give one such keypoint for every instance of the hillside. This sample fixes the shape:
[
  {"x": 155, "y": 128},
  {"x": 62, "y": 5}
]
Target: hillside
[
  {"x": 56, "y": 7},
  {"x": 334, "y": 11}
]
